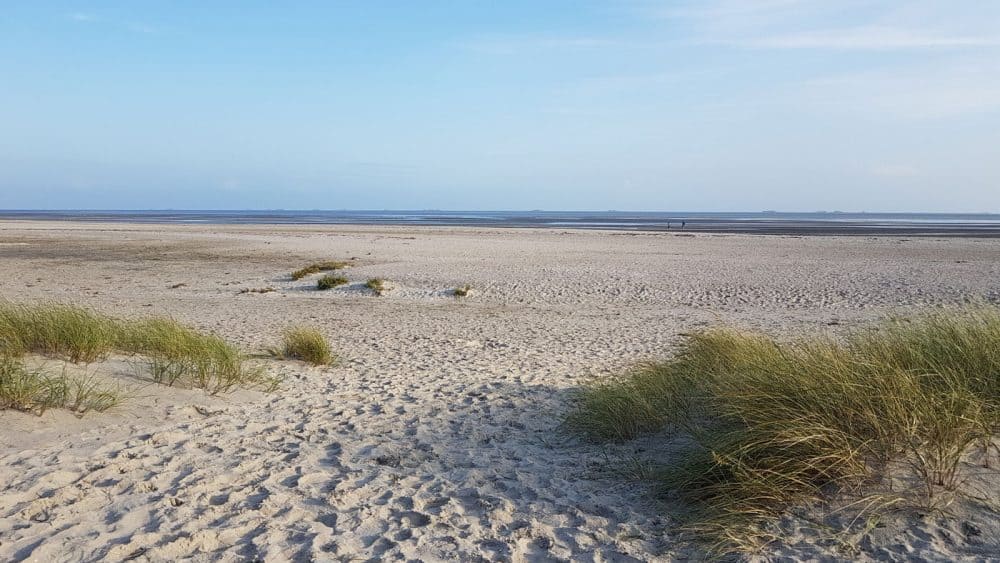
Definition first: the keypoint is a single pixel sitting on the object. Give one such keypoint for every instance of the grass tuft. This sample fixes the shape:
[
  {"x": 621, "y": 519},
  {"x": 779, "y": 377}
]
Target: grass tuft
[
  {"x": 774, "y": 425},
  {"x": 306, "y": 344},
  {"x": 35, "y": 391},
  {"x": 58, "y": 330},
  {"x": 176, "y": 354},
  {"x": 267, "y": 289},
  {"x": 377, "y": 285},
  {"x": 330, "y": 282},
  {"x": 317, "y": 267},
  {"x": 179, "y": 355}
]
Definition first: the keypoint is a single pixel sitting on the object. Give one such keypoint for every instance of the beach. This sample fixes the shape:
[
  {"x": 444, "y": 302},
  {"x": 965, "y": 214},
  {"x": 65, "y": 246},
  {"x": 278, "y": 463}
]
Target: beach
[{"x": 438, "y": 435}]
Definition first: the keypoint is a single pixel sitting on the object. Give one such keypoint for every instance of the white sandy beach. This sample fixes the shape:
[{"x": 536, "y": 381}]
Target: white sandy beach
[{"x": 437, "y": 437}]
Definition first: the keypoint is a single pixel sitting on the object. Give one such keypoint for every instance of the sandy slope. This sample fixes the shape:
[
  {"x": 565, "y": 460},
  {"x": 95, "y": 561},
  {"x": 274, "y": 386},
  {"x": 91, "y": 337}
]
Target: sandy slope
[{"x": 437, "y": 437}]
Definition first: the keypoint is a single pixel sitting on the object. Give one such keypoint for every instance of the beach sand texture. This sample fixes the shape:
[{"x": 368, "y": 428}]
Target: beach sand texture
[{"x": 437, "y": 436}]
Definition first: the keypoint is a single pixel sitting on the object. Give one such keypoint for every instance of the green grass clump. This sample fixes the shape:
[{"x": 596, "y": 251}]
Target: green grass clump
[
  {"x": 35, "y": 391},
  {"x": 643, "y": 401},
  {"x": 176, "y": 354},
  {"x": 330, "y": 282},
  {"x": 377, "y": 285},
  {"x": 318, "y": 267},
  {"x": 78, "y": 334},
  {"x": 462, "y": 291},
  {"x": 306, "y": 344},
  {"x": 775, "y": 425},
  {"x": 179, "y": 355}
]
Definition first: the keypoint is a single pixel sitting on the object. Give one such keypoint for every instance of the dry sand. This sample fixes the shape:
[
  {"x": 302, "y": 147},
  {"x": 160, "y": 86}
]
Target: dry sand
[{"x": 438, "y": 435}]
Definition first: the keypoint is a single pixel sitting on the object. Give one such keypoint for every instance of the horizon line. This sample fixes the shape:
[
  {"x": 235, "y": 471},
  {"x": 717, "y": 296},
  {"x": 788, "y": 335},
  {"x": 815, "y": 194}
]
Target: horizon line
[{"x": 438, "y": 210}]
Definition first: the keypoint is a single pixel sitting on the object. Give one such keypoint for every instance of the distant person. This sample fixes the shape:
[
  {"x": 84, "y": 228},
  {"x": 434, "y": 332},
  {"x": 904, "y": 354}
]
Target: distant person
[{"x": 682, "y": 224}]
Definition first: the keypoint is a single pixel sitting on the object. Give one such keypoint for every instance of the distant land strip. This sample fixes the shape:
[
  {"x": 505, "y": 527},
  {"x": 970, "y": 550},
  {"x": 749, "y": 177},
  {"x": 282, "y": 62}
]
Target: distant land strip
[{"x": 983, "y": 225}]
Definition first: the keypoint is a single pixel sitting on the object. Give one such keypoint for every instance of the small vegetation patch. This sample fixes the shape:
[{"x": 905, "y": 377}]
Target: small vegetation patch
[
  {"x": 35, "y": 391},
  {"x": 377, "y": 285},
  {"x": 330, "y": 281},
  {"x": 268, "y": 289},
  {"x": 773, "y": 425},
  {"x": 462, "y": 291},
  {"x": 317, "y": 267},
  {"x": 306, "y": 344},
  {"x": 179, "y": 355},
  {"x": 56, "y": 330},
  {"x": 176, "y": 354}
]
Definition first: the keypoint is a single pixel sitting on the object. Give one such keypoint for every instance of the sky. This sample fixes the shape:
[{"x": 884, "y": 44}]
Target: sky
[{"x": 709, "y": 105}]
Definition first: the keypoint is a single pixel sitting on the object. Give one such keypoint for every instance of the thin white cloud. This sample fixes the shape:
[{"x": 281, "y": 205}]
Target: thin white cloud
[
  {"x": 83, "y": 17},
  {"x": 876, "y": 25},
  {"x": 867, "y": 38},
  {"x": 840, "y": 25},
  {"x": 140, "y": 28},
  {"x": 134, "y": 27},
  {"x": 932, "y": 90},
  {"x": 727, "y": 8},
  {"x": 503, "y": 45}
]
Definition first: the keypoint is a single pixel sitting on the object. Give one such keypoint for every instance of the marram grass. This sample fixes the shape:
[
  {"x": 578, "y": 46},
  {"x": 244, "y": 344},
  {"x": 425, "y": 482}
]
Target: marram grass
[
  {"x": 306, "y": 344},
  {"x": 330, "y": 281},
  {"x": 179, "y": 355},
  {"x": 176, "y": 354},
  {"x": 57, "y": 330},
  {"x": 775, "y": 425},
  {"x": 318, "y": 267},
  {"x": 377, "y": 285},
  {"x": 35, "y": 391}
]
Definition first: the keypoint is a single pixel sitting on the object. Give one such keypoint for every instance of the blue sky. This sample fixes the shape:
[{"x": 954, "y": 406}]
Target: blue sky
[{"x": 795, "y": 105}]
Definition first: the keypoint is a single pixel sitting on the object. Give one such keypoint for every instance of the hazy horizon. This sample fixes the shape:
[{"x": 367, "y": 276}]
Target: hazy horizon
[
  {"x": 716, "y": 105},
  {"x": 678, "y": 212}
]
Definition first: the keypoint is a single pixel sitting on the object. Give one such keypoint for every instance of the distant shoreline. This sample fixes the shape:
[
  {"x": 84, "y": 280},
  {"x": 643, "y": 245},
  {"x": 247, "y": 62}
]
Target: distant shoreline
[{"x": 764, "y": 223}]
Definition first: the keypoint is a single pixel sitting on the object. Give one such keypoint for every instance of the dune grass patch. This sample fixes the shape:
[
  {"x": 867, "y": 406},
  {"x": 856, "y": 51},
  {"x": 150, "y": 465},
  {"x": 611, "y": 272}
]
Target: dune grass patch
[
  {"x": 246, "y": 290},
  {"x": 53, "y": 329},
  {"x": 377, "y": 285},
  {"x": 330, "y": 282},
  {"x": 176, "y": 354},
  {"x": 179, "y": 355},
  {"x": 36, "y": 391},
  {"x": 317, "y": 267},
  {"x": 306, "y": 344},
  {"x": 773, "y": 425}
]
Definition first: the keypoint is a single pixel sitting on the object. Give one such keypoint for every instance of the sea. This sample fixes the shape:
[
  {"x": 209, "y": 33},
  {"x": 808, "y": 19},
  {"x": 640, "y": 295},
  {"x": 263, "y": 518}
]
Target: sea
[{"x": 760, "y": 222}]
